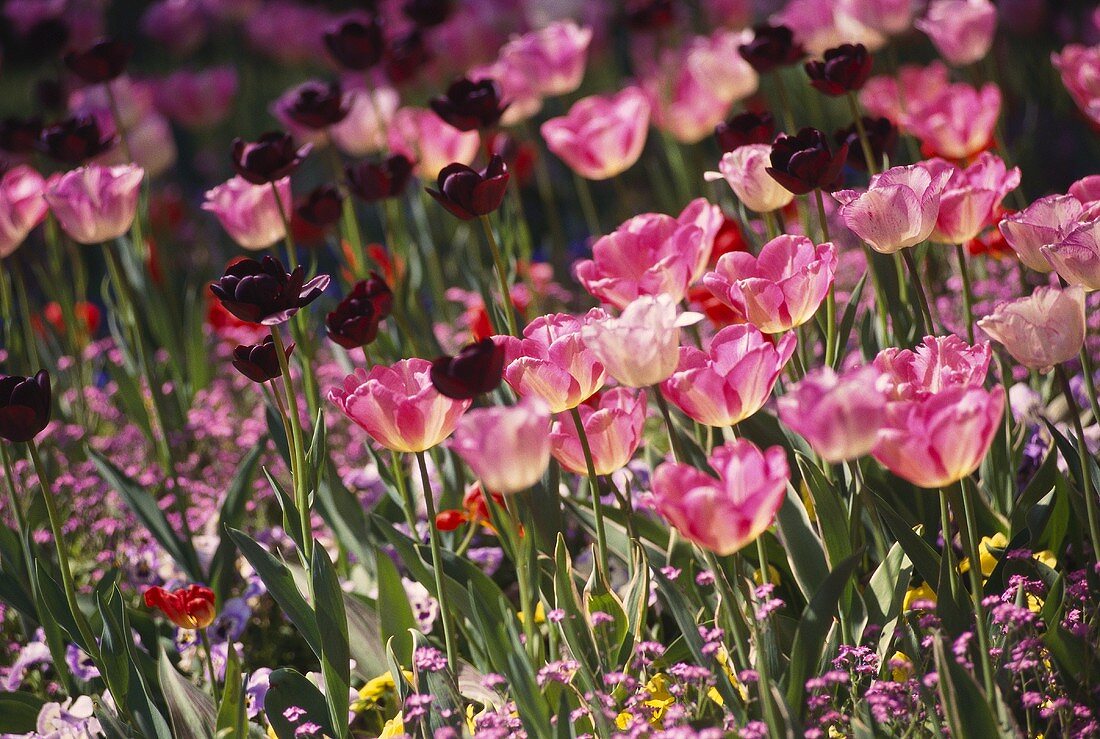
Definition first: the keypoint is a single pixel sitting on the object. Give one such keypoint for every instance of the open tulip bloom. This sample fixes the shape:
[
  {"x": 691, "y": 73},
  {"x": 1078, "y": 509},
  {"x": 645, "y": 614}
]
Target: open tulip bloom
[{"x": 485, "y": 368}]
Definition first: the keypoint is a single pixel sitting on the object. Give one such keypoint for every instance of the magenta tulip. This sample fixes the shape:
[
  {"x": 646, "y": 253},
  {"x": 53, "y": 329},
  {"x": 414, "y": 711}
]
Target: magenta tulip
[
  {"x": 613, "y": 429},
  {"x": 1045, "y": 222},
  {"x": 365, "y": 130},
  {"x": 423, "y": 137},
  {"x": 1041, "y": 330},
  {"x": 938, "y": 440},
  {"x": 1076, "y": 258},
  {"x": 601, "y": 136},
  {"x": 934, "y": 365},
  {"x": 839, "y": 415},
  {"x": 1080, "y": 70},
  {"x": 898, "y": 210},
  {"x": 398, "y": 406},
  {"x": 95, "y": 204},
  {"x": 725, "y": 514},
  {"x": 971, "y": 197},
  {"x": 732, "y": 379},
  {"x": 779, "y": 289},
  {"x": 551, "y": 362},
  {"x": 553, "y": 57},
  {"x": 22, "y": 206},
  {"x": 957, "y": 122},
  {"x": 961, "y": 30},
  {"x": 249, "y": 213},
  {"x": 507, "y": 447},
  {"x": 198, "y": 99}
]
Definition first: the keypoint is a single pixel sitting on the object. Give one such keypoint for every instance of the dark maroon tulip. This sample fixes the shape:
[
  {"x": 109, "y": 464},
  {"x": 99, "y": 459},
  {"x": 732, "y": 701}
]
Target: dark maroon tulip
[
  {"x": 259, "y": 362},
  {"x": 650, "y": 15},
  {"x": 264, "y": 292},
  {"x": 322, "y": 207},
  {"x": 74, "y": 140},
  {"x": 427, "y": 13},
  {"x": 317, "y": 105},
  {"x": 268, "y": 159},
  {"x": 804, "y": 162},
  {"x": 25, "y": 404},
  {"x": 356, "y": 44},
  {"x": 467, "y": 193},
  {"x": 476, "y": 369},
  {"x": 772, "y": 47},
  {"x": 20, "y": 135},
  {"x": 406, "y": 56},
  {"x": 374, "y": 181},
  {"x": 744, "y": 129},
  {"x": 50, "y": 94},
  {"x": 844, "y": 69},
  {"x": 470, "y": 105},
  {"x": 355, "y": 320},
  {"x": 45, "y": 39},
  {"x": 882, "y": 135},
  {"x": 103, "y": 62}
]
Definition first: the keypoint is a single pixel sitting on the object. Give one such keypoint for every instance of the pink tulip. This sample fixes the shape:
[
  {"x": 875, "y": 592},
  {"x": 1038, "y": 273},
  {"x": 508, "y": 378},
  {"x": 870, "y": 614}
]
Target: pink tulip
[
  {"x": 961, "y": 30},
  {"x": 507, "y": 447},
  {"x": 1080, "y": 70},
  {"x": 1086, "y": 189},
  {"x": 910, "y": 90},
  {"x": 249, "y": 213},
  {"x": 823, "y": 24},
  {"x": 1041, "y": 330},
  {"x": 690, "y": 88},
  {"x": 971, "y": 198},
  {"x": 152, "y": 146},
  {"x": 430, "y": 142},
  {"x": 781, "y": 288},
  {"x": 732, "y": 379},
  {"x": 22, "y": 206},
  {"x": 553, "y": 57},
  {"x": 198, "y": 99},
  {"x": 958, "y": 122},
  {"x": 641, "y": 346},
  {"x": 1046, "y": 221},
  {"x": 940, "y": 439},
  {"x": 898, "y": 210},
  {"x": 891, "y": 17},
  {"x": 840, "y": 415},
  {"x": 744, "y": 169},
  {"x": 519, "y": 91},
  {"x": 95, "y": 204},
  {"x": 601, "y": 136},
  {"x": 398, "y": 405},
  {"x": 365, "y": 129},
  {"x": 725, "y": 514},
  {"x": 651, "y": 254},
  {"x": 613, "y": 429},
  {"x": 735, "y": 14},
  {"x": 552, "y": 363},
  {"x": 1076, "y": 258},
  {"x": 935, "y": 365}
]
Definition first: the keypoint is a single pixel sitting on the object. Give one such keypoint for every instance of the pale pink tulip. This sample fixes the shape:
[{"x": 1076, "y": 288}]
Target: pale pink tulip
[
  {"x": 613, "y": 429},
  {"x": 779, "y": 289},
  {"x": 911, "y": 89},
  {"x": 22, "y": 206},
  {"x": 824, "y": 24},
  {"x": 553, "y": 57},
  {"x": 641, "y": 346},
  {"x": 430, "y": 142},
  {"x": 898, "y": 210},
  {"x": 601, "y": 136},
  {"x": 1080, "y": 70},
  {"x": 840, "y": 415},
  {"x": 507, "y": 447},
  {"x": 94, "y": 204},
  {"x": 970, "y": 200},
  {"x": 365, "y": 130},
  {"x": 725, "y": 514},
  {"x": 961, "y": 30},
  {"x": 936, "y": 364},
  {"x": 956, "y": 123},
  {"x": 249, "y": 213},
  {"x": 1076, "y": 258},
  {"x": 651, "y": 254},
  {"x": 1086, "y": 189},
  {"x": 732, "y": 379},
  {"x": 938, "y": 440},
  {"x": 551, "y": 362},
  {"x": 398, "y": 405},
  {"x": 519, "y": 91},
  {"x": 1046, "y": 221},
  {"x": 745, "y": 169},
  {"x": 890, "y": 17},
  {"x": 1041, "y": 330},
  {"x": 198, "y": 99}
]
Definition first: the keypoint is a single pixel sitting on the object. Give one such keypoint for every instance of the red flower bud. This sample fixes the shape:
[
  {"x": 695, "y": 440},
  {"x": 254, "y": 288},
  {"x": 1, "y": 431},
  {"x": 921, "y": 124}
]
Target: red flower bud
[{"x": 189, "y": 608}]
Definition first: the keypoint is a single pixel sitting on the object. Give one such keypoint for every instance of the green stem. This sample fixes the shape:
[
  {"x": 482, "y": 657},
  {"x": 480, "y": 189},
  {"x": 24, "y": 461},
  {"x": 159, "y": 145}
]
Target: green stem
[
  {"x": 209, "y": 655},
  {"x": 948, "y": 549},
  {"x": 445, "y": 614},
  {"x": 594, "y": 488},
  {"x": 297, "y": 450},
  {"x": 771, "y": 226},
  {"x": 407, "y": 502},
  {"x": 732, "y": 604},
  {"x": 784, "y": 102},
  {"x": 29, "y": 340},
  {"x": 864, "y": 142},
  {"x": 968, "y": 529},
  {"x": 673, "y": 440},
  {"x": 922, "y": 298},
  {"x": 588, "y": 206},
  {"x": 830, "y": 298},
  {"x": 1090, "y": 383},
  {"x": 523, "y": 580},
  {"x": 968, "y": 294},
  {"x": 1086, "y": 460},
  {"x": 502, "y": 277}
]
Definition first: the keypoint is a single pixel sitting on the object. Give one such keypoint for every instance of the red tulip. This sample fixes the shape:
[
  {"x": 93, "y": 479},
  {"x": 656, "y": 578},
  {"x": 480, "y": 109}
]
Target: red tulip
[{"x": 189, "y": 608}]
